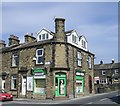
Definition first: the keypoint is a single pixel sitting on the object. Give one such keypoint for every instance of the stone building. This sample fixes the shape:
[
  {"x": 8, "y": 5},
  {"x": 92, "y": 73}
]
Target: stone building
[
  {"x": 106, "y": 73},
  {"x": 107, "y": 77},
  {"x": 52, "y": 65}
]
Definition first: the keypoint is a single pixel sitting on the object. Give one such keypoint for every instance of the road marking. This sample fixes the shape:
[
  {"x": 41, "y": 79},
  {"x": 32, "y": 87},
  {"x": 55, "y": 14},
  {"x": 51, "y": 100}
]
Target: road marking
[
  {"x": 103, "y": 99},
  {"x": 90, "y": 103}
]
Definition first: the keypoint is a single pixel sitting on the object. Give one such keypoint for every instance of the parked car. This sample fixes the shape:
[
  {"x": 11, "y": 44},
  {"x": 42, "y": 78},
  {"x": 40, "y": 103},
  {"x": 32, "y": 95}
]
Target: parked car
[{"x": 4, "y": 96}]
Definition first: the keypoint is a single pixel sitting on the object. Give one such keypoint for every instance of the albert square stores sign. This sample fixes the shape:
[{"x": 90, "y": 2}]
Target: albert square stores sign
[{"x": 79, "y": 81}]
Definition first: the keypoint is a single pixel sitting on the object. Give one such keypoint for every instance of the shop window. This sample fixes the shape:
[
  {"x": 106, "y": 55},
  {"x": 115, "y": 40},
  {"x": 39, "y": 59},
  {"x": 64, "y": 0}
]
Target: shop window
[
  {"x": 15, "y": 59},
  {"x": 39, "y": 56},
  {"x": 13, "y": 82},
  {"x": 79, "y": 87},
  {"x": 79, "y": 56},
  {"x": 39, "y": 86}
]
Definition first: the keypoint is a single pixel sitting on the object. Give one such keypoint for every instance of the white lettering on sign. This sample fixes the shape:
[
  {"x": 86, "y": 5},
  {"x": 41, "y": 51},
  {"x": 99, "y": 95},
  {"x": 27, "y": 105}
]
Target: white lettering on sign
[
  {"x": 78, "y": 73},
  {"x": 39, "y": 74}
]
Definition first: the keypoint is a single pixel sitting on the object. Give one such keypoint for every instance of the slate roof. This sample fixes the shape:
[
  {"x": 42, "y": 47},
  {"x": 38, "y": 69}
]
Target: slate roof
[{"x": 107, "y": 66}]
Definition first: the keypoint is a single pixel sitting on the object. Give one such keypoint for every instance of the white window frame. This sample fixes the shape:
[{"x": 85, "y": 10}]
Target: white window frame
[
  {"x": 37, "y": 56},
  {"x": 12, "y": 83},
  {"x": 116, "y": 71},
  {"x": 89, "y": 62},
  {"x": 44, "y": 36},
  {"x": 84, "y": 44},
  {"x": 14, "y": 61},
  {"x": 103, "y": 71},
  {"x": 79, "y": 58},
  {"x": 74, "y": 39}
]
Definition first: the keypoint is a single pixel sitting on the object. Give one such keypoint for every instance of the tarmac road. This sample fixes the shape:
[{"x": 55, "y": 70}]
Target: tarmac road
[{"x": 112, "y": 98}]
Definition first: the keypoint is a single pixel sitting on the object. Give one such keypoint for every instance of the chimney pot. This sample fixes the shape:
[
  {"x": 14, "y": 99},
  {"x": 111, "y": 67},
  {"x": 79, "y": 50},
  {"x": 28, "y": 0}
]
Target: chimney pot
[
  {"x": 101, "y": 62},
  {"x": 113, "y": 61}
]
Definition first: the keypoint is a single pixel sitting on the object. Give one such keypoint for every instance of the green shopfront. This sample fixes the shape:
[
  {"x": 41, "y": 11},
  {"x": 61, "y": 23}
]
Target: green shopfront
[
  {"x": 80, "y": 79},
  {"x": 39, "y": 81},
  {"x": 60, "y": 84}
]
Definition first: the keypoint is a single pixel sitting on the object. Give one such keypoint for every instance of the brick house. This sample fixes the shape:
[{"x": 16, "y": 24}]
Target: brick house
[{"x": 50, "y": 65}]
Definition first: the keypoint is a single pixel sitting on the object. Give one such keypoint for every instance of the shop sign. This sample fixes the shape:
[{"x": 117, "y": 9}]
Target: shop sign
[
  {"x": 39, "y": 74},
  {"x": 79, "y": 73}
]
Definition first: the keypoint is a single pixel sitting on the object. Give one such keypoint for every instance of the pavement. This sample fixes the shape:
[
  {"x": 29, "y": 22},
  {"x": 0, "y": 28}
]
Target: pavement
[{"x": 54, "y": 101}]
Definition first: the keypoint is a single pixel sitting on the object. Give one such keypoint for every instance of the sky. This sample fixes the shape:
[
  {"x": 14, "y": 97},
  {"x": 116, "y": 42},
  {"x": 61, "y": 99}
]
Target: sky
[{"x": 97, "y": 21}]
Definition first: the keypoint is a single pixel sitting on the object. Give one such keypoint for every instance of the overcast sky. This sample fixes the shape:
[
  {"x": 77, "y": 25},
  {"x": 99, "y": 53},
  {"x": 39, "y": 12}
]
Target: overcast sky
[{"x": 98, "y": 22}]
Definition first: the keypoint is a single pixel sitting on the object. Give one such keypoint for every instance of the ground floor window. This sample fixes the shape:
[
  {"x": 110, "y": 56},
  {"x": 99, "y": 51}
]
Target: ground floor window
[
  {"x": 39, "y": 86},
  {"x": 79, "y": 86},
  {"x": 39, "y": 81},
  {"x": 79, "y": 81}
]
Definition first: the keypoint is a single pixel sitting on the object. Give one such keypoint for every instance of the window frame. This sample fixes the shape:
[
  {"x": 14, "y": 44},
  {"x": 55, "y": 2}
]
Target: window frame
[
  {"x": 15, "y": 60},
  {"x": 37, "y": 56},
  {"x": 74, "y": 39},
  {"x": 79, "y": 58},
  {"x": 103, "y": 72},
  {"x": 44, "y": 36},
  {"x": 13, "y": 85},
  {"x": 84, "y": 44},
  {"x": 116, "y": 71},
  {"x": 89, "y": 62}
]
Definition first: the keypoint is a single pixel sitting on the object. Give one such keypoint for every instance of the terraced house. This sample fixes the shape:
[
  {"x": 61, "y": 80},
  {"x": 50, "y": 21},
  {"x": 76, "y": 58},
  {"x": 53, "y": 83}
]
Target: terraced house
[{"x": 51, "y": 65}]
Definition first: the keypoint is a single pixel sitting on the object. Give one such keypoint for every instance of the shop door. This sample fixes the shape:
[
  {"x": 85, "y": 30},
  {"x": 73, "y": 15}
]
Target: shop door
[
  {"x": 24, "y": 85},
  {"x": 61, "y": 87}
]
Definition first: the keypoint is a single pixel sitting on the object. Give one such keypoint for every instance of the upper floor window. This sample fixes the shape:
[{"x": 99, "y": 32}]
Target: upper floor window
[
  {"x": 39, "y": 56},
  {"x": 103, "y": 72},
  {"x": 79, "y": 56},
  {"x": 89, "y": 62},
  {"x": 116, "y": 71},
  {"x": 15, "y": 59},
  {"x": 43, "y": 36},
  {"x": 84, "y": 44},
  {"x": 74, "y": 39}
]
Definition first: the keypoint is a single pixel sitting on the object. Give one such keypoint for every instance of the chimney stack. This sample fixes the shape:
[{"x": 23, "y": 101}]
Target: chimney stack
[
  {"x": 60, "y": 29},
  {"x": 29, "y": 38},
  {"x": 13, "y": 40},
  {"x": 2, "y": 44}
]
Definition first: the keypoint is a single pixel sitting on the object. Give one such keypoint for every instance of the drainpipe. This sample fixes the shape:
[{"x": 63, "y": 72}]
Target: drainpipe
[{"x": 73, "y": 75}]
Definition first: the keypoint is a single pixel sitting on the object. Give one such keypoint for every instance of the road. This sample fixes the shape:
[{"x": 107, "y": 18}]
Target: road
[{"x": 105, "y": 98}]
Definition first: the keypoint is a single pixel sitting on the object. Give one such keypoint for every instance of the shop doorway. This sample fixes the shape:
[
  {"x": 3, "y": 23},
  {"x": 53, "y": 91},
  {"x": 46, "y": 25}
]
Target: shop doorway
[{"x": 60, "y": 84}]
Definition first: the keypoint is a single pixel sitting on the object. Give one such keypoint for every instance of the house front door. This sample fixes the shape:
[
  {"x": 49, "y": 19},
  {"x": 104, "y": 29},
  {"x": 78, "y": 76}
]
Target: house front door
[
  {"x": 3, "y": 84},
  {"x": 24, "y": 85}
]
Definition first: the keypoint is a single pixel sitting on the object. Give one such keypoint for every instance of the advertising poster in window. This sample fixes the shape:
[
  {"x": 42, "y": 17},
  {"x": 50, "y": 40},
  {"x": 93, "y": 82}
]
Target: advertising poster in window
[{"x": 29, "y": 83}]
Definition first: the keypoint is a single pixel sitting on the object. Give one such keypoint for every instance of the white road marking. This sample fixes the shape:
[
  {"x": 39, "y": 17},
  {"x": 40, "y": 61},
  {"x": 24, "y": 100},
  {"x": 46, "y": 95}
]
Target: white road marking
[
  {"x": 103, "y": 99},
  {"x": 90, "y": 103}
]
